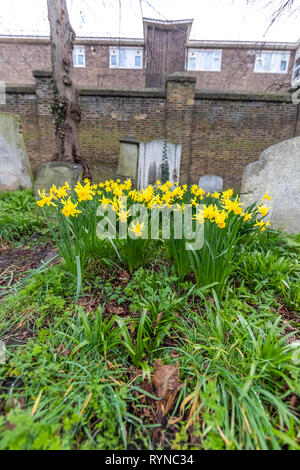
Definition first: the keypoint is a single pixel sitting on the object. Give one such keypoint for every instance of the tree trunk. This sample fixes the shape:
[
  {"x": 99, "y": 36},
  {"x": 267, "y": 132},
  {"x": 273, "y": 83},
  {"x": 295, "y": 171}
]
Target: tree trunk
[{"x": 65, "y": 106}]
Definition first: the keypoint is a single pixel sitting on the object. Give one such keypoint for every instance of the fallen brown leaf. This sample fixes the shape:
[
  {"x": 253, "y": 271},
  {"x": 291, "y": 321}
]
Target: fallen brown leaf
[{"x": 165, "y": 382}]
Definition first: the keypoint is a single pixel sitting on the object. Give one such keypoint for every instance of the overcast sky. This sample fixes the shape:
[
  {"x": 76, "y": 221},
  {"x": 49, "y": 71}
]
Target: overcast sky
[{"x": 213, "y": 19}]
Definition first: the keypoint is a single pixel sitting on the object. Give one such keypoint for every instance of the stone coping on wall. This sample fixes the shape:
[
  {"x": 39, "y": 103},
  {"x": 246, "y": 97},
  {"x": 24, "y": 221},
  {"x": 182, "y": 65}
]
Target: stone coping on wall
[
  {"x": 26, "y": 89},
  {"x": 159, "y": 93},
  {"x": 143, "y": 93},
  {"x": 42, "y": 73},
  {"x": 243, "y": 95},
  {"x": 181, "y": 77}
]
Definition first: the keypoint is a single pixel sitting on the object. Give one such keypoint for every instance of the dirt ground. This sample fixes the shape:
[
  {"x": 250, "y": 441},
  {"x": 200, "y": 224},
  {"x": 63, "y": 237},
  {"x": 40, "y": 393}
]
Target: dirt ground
[{"x": 17, "y": 263}]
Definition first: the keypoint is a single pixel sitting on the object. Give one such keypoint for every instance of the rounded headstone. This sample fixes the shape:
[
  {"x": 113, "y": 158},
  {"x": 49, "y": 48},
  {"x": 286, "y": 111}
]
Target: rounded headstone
[
  {"x": 278, "y": 172},
  {"x": 57, "y": 173},
  {"x": 211, "y": 183},
  {"x": 15, "y": 169}
]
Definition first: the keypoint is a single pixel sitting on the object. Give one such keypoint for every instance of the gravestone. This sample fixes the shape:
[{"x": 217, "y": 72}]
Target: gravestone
[
  {"x": 15, "y": 169},
  {"x": 57, "y": 173},
  {"x": 211, "y": 183},
  {"x": 278, "y": 172},
  {"x": 128, "y": 159},
  {"x": 158, "y": 160}
]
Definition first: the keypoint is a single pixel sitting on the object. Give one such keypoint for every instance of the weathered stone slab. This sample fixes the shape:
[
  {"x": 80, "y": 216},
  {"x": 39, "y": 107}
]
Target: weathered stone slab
[
  {"x": 57, "y": 173},
  {"x": 128, "y": 160},
  {"x": 211, "y": 183},
  {"x": 15, "y": 169},
  {"x": 278, "y": 172}
]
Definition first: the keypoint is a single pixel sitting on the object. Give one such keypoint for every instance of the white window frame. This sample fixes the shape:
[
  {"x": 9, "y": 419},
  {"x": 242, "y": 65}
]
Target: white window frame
[
  {"x": 78, "y": 51},
  {"x": 296, "y": 71},
  {"x": 117, "y": 51},
  {"x": 199, "y": 56},
  {"x": 275, "y": 58}
]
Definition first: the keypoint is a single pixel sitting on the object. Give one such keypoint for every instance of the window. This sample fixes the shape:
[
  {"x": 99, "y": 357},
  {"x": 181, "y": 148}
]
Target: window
[
  {"x": 272, "y": 62},
  {"x": 296, "y": 73},
  {"x": 79, "y": 56},
  {"x": 126, "y": 58},
  {"x": 204, "y": 59}
]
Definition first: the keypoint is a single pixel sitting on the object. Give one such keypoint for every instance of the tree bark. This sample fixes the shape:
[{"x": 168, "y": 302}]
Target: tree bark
[{"x": 65, "y": 107}]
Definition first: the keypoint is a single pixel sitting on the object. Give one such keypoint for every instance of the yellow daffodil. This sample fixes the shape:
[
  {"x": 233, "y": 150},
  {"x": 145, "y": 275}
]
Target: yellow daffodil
[
  {"x": 105, "y": 201},
  {"x": 61, "y": 192},
  {"x": 267, "y": 197},
  {"x": 69, "y": 208},
  {"x": 220, "y": 217},
  {"x": 234, "y": 206},
  {"x": 137, "y": 229},
  {"x": 53, "y": 189},
  {"x": 227, "y": 194},
  {"x": 263, "y": 210},
  {"x": 115, "y": 204},
  {"x": 262, "y": 225},
  {"x": 46, "y": 199},
  {"x": 200, "y": 216},
  {"x": 84, "y": 193},
  {"x": 246, "y": 216},
  {"x": 123, "y": 216}
]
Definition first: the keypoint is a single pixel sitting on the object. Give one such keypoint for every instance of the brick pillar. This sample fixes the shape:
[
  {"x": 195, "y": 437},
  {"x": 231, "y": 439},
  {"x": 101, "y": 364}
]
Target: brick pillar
[
  {"x": 179, "y": 117},
  {"x": 45, "y": 125}
]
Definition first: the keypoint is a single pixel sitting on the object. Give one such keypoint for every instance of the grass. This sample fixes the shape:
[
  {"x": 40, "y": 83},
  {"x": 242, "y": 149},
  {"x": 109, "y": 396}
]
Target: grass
[
  {"x": 79, "y": 376},
  {"x": 20, "y": 218}
]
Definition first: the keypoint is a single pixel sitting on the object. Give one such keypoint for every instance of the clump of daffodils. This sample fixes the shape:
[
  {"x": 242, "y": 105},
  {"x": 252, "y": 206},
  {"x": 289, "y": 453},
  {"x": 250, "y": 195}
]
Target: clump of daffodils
[{"x": 215, "y": 208}]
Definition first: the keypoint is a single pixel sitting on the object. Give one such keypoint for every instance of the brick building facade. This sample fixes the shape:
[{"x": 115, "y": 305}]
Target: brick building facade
[
  {"x": 221, "y": 102},
  {"x": 165, "y": 49},
  {"x": 220, "y": 132}
]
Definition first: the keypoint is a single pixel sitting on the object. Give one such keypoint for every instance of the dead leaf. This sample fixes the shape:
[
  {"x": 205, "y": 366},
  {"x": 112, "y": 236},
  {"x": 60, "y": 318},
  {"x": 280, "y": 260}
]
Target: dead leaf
[
  {"x": 293, "y": 401},
  {"x": 165, "y": 382}
]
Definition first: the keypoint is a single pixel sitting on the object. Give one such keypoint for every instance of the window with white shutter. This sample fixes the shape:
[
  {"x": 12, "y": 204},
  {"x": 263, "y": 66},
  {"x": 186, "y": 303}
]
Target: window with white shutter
[
  {"x": 208, "y": 60},
  {"x": 126, "y": 58},
  {"x": 272, "y": 62},
  {"x": 79, "y": 56}
]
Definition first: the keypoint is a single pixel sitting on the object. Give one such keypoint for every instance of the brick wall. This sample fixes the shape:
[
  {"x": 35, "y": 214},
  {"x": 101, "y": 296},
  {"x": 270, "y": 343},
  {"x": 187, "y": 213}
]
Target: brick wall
[
  {"x": 229, "y": 131},
  {"x": 220, "y": 132},
  {"x": 166, "y": 50},
  {"x": 237, "y": 73},
  {"x": 107, "y": 117},
  {"x": 19, "y": 59}
]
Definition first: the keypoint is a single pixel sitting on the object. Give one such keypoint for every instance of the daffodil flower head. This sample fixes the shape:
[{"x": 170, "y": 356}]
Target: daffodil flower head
[
  {"x": 84, "y": 193},
  {"x": 62, "y": 192},
  {"x": 69, "y": 209},
  {"x": 247, "y": 216},
  {"x": 263, "y": 210},
  {"x": 137, "y": 229},
  {"x": 123, "y": 216},
  {"x": 45, "y": 199},
  {"x": 267, "y": 197}
]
